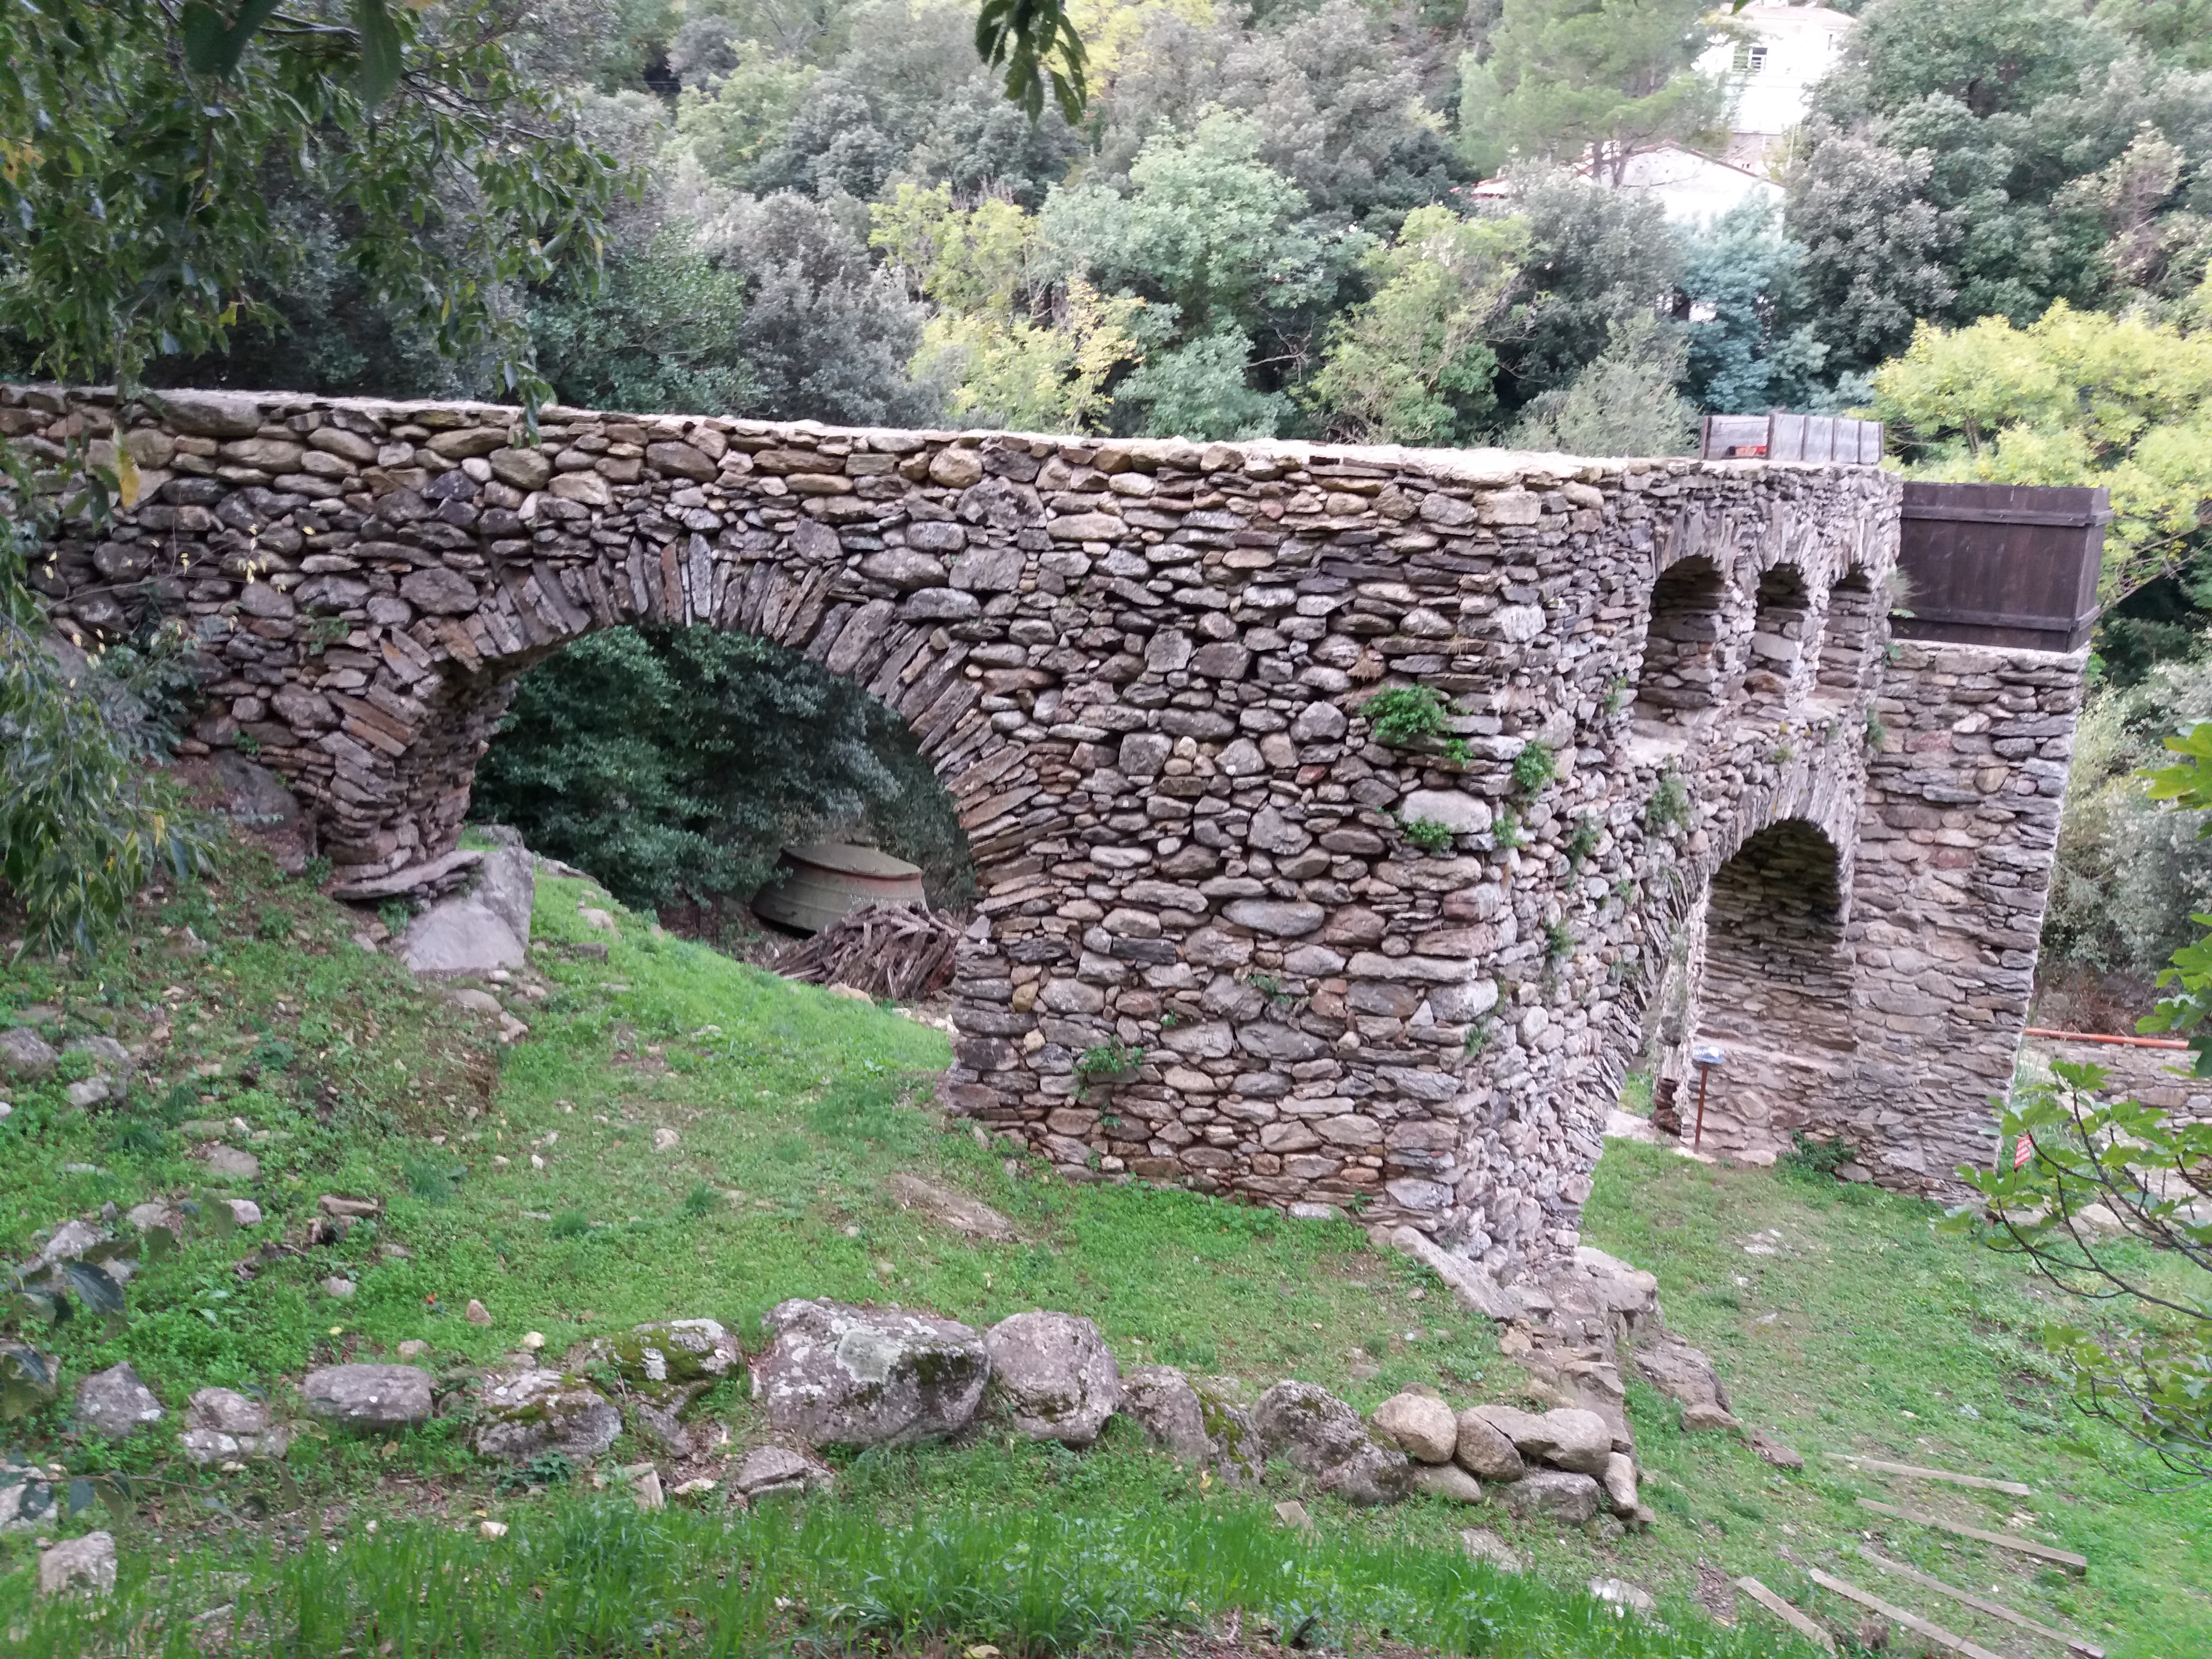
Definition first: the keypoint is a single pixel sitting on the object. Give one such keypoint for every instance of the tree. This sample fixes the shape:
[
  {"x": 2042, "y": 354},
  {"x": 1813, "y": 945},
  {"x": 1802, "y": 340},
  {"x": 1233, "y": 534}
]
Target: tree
[
  {"x": 1018, "y": 350},
  {"x": 2077, "y": 398},
  {"x": 1606, "y": 77},
  {"x": 825, "y": 334},
  {"x": 907, "y": 102},
  {"x": 1206, "y": 228},
  {"x": 1413, "y": 365},
  {"x": 1976, "y": 158},
  {"x": 145, "y": 138},
  {"x": 1596, "y": 257},
  {"x": 1623, "y": 404},
  {"x": 1743, "y": 289},
  {"x": 660, "y": 331},
  {"x": 2074, "y": 1151}
]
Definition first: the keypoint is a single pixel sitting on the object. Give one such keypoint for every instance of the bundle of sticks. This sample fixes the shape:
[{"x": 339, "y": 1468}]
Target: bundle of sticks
[{"x": 886, "y": 951}]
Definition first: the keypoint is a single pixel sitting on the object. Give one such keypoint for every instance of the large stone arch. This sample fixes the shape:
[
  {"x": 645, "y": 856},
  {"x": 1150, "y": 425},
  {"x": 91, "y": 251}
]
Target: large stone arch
[{"x": 1141, "y": 669}]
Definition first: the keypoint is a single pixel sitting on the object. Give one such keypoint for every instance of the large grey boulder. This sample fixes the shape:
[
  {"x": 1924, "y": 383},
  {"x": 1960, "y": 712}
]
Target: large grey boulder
[
  {"x": 1486, "y": 1449},
  {"x": 1426, "y": 1429},
  {"x": 1552, "y": 1495},
  {"x": 223, "y": 1426},
  {"x": 1318, "y": 1435},
  {"x": 835, "y": 1375},
  {"x": 253, "y": 795},
  {"x": 522, "y": 1414},
  {"x": 485, "y": 929},
  {"x": 1567, "y": 1438},
  {"x": 664, "y": 1367},
  {"x": 25, "y": 1056},
  {"x": 87, "y": 1564},
  {"x": 1052, "y": 1374},
  {"x": 1577, "y": 1440},
  {"x": 368, "y": 1396},
  {"x": 1196, "y": 1419},
  {"x": 1674, "y": 1368},
  {"x": 115, "y": 1403}
]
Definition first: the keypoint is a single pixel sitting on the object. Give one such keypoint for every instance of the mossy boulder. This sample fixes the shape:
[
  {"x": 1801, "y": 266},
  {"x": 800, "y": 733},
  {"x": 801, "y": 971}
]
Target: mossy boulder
[
  {"x": 835, "y": 1375},
  {"x": 522, "y": 1414},
  {"x": 1197, "y": 1419},
  {"x": 1318, "y": 1435}
]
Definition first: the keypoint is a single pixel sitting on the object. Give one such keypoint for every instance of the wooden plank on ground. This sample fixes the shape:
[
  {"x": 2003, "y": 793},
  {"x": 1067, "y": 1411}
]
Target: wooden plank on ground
[
  {"x": 2087, "y": 1651},
  {"x": 2065, "y": 1559},
  {"x": 1788, "y": 1614},
  {"x": 1911, "y": 1621},
  {"x": 1880, "y": 1466}
]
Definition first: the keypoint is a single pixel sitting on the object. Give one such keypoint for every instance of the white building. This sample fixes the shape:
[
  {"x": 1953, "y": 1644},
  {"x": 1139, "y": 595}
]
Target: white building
[{"x": 1771, "y": 74}]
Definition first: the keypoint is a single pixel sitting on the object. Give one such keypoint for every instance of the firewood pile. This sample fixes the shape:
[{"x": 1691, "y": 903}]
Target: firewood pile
[{"x": 887, "y": 951}]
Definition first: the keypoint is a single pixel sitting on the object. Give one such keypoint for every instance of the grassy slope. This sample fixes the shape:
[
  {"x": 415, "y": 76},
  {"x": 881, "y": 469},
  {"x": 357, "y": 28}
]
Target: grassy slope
[{"x": 793, "y": 1106}]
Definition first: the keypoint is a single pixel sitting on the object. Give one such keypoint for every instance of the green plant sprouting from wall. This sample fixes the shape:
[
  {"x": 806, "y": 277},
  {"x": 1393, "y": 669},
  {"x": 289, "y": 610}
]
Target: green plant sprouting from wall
[
  {"x": 1536, "y": 765},
  {"x": 1668, "y": 810},
  {"x": 1429, "y": 834},
  {"x": 1413, "y": 717}
]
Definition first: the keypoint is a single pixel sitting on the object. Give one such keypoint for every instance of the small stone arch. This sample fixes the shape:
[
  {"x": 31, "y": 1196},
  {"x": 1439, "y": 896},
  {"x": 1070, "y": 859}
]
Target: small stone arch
[
  {"x": 1774, "y": 988},
  {"x": 1850, "y": 626},
  {"x": 1685, "y": 668},
  {"x": 1782, "y": 626}
]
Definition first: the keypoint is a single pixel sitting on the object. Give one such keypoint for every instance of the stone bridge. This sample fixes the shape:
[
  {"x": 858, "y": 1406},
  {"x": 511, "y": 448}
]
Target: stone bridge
[{"x": 1690, "y": 790}]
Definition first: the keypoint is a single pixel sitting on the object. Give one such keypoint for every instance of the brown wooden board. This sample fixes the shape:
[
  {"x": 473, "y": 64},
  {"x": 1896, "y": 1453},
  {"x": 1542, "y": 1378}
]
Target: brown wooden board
[
  {"x": 1911, "y": 1621},
  {"x": 2011, "y": 565},
  {"x": 2087, "y": 1651},
  {"x": 1788, "y": 1614},
  {"x": 1914, "y": 1471},
  {"x": 2020, "y": 1546}
]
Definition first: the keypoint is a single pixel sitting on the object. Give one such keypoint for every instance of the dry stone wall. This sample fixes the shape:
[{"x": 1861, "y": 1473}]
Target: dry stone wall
[{"x": 1140, "y": 668}]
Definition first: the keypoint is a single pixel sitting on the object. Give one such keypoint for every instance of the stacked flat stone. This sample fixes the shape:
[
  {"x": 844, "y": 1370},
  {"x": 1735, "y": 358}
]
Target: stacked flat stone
[{"x": 1139, "y": 668}]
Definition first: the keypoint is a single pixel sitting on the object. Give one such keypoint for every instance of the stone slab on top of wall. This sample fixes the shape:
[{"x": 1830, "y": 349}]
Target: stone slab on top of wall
[{"x": 1139, "y": 667}]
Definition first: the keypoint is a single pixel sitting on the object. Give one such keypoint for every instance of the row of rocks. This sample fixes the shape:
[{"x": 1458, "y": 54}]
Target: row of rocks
[{"x": 26, "y": 1057}]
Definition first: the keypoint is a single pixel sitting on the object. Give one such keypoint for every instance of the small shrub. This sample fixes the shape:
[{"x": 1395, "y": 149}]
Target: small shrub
[
  {"x": 138, "y": 1136},
  {"x": 1817, "y": 1158},
  {"x": 1506, "y": 833},
  {"x": 1478, "y": 1037},
  {"x": 1584, "y": 841},
  {"x": 702, "y": 1199},
  {"x": 546, "y": 1470},
  {"x": 271, "y": 925},
  {"x": 1429, "y": 834},
  {"x": 1536, "y": 766},
  {"x": 1110, "y": 1058},
  {"x": 1405, "y": 715},
  {"x": 430, "y": 1179},
  {"x": 570, "y": 1223},
  {"x": 1559, "y": 941},
  {"x": 1668, "y": 810}
]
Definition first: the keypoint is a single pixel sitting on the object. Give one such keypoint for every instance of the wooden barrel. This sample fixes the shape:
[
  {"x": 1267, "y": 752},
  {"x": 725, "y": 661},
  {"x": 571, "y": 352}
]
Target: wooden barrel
[{"x": 822, "y": 880}]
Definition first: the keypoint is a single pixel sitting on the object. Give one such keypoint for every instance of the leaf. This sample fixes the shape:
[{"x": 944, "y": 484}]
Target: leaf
[
  {"x": 380, "y": 50},
  {"x": 213, "y": 46},
  {"x": 100, "y": 1292}
]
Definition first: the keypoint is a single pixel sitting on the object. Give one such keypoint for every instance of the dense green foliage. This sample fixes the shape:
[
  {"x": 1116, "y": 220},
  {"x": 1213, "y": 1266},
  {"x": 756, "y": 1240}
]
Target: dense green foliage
[
  {"x": 151, "y": 165},
  {"x": 675, "y": 764}
]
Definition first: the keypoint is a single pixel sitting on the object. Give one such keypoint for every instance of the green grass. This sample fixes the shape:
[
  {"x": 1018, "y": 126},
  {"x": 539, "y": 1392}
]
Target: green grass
[
  {"x": 792, "y": 1108},
  {"x": 1867, "y": 1332},
  {"x": 600, "y": 1578}
]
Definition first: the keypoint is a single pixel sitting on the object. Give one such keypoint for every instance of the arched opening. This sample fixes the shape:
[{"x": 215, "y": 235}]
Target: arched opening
[
  {"x": 1777, "y": 635},
  {"x": 675, "y": 764},
  {"x": 1682, "y": 669},
  {"x": 1847, "y": 640},
  {"x": 1774, "y": 992}
]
